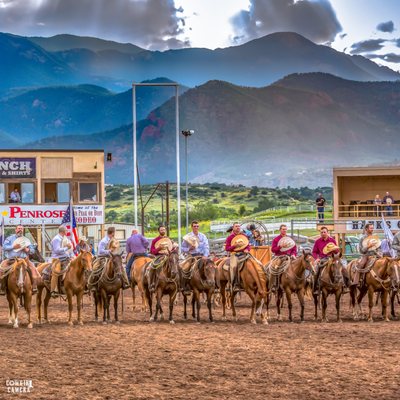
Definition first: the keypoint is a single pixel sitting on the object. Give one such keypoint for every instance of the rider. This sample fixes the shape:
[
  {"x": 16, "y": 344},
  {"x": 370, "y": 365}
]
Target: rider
[
  {"x": 60, "y": 253},
  {"x": 103, "y": 251},
  {"x": 320, "y": 253},
  {"x": 369, "y": 246},
  {"x": 235, "y": 250},
  {"x": 162, "y": 234},
  {"x": 136, "y": 246},
  {"x": 11, "y": 251},
  {"x": 281, "y": 251},
  {"x": 195, "y": 244}
]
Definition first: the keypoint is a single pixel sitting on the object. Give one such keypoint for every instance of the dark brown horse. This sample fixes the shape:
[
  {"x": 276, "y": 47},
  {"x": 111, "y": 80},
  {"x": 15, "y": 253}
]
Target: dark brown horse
[
  {"x": 202, "y": 280},
  {"x": 293, "y": 280},
  {"x": 252, "y": 279},
  {"x": 395, "y": 287},
  {"x": 331, "y": 282},
  {"x": 109, "y": 284},
  {"x": 377, "y": 279},
  {"x": 19, "y": 287},
  {"x": 161, "y": 277},
  {"x": 75, "y": 282}
]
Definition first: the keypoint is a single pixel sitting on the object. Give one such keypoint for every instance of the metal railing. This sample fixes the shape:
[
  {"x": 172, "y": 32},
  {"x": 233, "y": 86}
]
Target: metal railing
[{"x": 361, "y": 210}]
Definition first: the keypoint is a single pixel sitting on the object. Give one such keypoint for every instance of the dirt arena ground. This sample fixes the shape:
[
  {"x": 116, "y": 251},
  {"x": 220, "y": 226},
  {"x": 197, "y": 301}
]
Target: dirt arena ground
[{"x": 222, "y": 360}]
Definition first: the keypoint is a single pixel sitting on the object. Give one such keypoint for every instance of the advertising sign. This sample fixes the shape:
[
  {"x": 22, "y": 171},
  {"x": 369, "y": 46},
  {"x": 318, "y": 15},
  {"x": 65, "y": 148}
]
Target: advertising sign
[{"x": 17, "y": 168}]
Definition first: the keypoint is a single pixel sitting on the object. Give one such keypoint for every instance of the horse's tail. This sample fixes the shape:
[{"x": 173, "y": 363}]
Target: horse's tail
[{"x": 259, "y": 277}]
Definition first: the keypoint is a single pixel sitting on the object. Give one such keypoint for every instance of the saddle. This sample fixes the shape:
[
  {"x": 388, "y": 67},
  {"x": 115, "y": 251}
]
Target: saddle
[
  {"x": 47, "y": 272},
  {"x": 242, "y": 257}
]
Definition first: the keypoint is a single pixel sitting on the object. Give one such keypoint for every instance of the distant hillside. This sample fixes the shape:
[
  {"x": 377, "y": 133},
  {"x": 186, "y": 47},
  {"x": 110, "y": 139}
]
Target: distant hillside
[
  {"x": 289, "y": 133},
  {"x": 66, "y": 59},
  {"x": 60, "y": 110}
]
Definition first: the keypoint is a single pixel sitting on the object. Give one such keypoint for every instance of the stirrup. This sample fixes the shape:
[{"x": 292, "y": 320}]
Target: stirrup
[
  {"x": 2, "y": 292},
  {"x": 54, "y": 294},
  {"x": 236, "y": 288},
  {"x": 34, "y": 290}
]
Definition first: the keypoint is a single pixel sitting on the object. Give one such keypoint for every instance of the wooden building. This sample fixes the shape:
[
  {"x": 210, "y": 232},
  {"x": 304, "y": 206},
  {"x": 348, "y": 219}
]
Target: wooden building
[{"x": 36, "y": 187}]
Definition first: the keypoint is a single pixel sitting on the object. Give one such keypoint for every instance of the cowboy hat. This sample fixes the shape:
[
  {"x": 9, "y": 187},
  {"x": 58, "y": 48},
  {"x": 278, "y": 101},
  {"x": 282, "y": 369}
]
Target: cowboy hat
[
  {"x": 240, "y": 242},
  {"x": 329, "y": 248},
  {"x": 83, "y": 239},
  {"x": 65, "y": 242},
  {"x": 192, "y": 240},
  {"x": 23, "y": 242},
  {"x": 286, "y": 243},
  {"x": 164, "y": 245},
  {"x": 374, "y": 240},
  {"x": 113, "y": 245}
]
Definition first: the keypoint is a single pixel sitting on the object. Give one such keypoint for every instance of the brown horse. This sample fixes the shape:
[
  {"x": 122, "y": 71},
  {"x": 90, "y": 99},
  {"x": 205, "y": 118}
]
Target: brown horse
[
  {"x": 136, "y": 279},
  {"x": 109, "y": 284},
  {"x": 293, "y": 280},
  {"x": 331, "y": 282},
  {"x": 19, "y": 287},
  {"x": 161, "y": 276},
  {"x": 395, "y": 287},
  {"x": 253, "y": 281},
  {"x": 202, "y": 280},
  {"x": 377, "y": 279},
  {"x": 75, "y": 282}
]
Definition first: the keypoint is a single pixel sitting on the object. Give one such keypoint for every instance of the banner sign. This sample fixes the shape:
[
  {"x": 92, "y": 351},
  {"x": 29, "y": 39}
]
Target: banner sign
[
  {"x": 50, "y": 214},
  {"x": 359, "y": 225},
  {"x": 17, "y": 168}
]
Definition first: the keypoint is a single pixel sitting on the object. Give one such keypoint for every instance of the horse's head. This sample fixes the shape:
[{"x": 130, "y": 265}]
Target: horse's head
[
  {"x": 19, "y": 268},
  {"x": 336, "y": 268},
  {"x": 173, "y": 264},
  {"x": 207, "y": 270},
  {"x": 394, "y": 274},
  {"x": 85, "y": 259},
  {"x": 309, "y": 260},
  {"x": 35, "y": 255},
  {"x": 116, "y": 259}
]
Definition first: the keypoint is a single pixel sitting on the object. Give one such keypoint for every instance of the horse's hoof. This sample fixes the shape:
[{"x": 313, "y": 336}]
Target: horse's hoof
[
  {"x": 151, "y": 319},
  {"x": 80, "y": 322},
  {"x": 340, "y": 321},
  {"x": 370, "y": 320},
  {"x": 104, "y": 322},
  {"x": 254, "y": 322},
  {"x": 302, "y": 321},
  {"x": 15, "y": 326},
  {"x": 10, "y": 322},
  {"x": 265, "y": 322},
  {"x": 30, "y": 325},
  {"x": 161, "y": 317},
  {"x": 172, "y": 322},
  {"x": 223, "y": 318},
  {"x": 70, "y": 323},
  {"x": 387, "y": 320}
]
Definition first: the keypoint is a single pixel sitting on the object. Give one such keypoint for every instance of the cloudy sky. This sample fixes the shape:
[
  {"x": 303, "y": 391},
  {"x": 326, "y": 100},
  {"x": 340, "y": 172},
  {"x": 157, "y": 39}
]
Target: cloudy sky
[{"x": 366, "y": 27}]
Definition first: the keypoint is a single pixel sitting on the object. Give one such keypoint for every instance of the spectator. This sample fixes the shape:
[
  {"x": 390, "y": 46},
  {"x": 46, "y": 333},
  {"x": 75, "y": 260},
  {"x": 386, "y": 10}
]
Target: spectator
[
  {"x": 15, "y": 197},
  {"x": 377, "y": 205},
  {"x": 320, "y": 202},
  {"x": 388, "y": 200}
]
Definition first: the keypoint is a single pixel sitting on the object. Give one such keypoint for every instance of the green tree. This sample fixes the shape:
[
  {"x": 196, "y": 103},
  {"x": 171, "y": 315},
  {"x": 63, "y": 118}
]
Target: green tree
[{"x": 242, "y": 210}]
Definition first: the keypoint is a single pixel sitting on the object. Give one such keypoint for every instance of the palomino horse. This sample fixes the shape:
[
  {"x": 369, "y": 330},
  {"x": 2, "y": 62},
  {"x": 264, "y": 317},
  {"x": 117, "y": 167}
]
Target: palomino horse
[
  {"x": 161, "y": 276},
  {"x": 377, "y": 279},
  {"x": 253, "y": 281},
  {"x": 202, "y": 280},
  {"x": 293, "y": 280},
  {"x": 18, "y": 287},
  {"x": 136, "y": 279},
  {"x": 75, "y": 282},
  {"x": 331, "y": 282},
  {"x": 109, "y": 284}
]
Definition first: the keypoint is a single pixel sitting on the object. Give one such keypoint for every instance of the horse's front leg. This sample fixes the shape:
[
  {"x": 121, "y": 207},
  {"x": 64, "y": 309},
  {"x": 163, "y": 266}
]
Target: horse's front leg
[
  {"x": 392, "y": 300},
  {"x": 324, "y": 295},
  {"x": 384, "y": 301},
  {"x": 184, "y": 306},
  {"x": 28, "y": 307},
  {"x": 300, "y": 296},
  {"x": 193, "y": 306},
  {"x": 39, "y": 304},
  {"x": 288, "y": 293},
  {"x": 11, "y": 316},
  {"x": 172, "y": 298},
  {"x": 197, "y": 301},
  {"x": 96, "y": 306},
  {"x": 223, "y": 301},
  {"x": 158, "y": 303},
  {"x": 370, "y": 303},
  {"x": 133, "y": 288},
  {"x": 233, "y": 305},
  {"x": 278, "y": 299},
  {"x": 209, "y": 304},
  {"x": 79, "y": 296},
  {"x": 338, "y": 296},
  {"x": 70, "y": 306},
  {"x": 116, "y": 297},
  {"x": 353, "y": 294},
  {"x": 108, "y": 307}
]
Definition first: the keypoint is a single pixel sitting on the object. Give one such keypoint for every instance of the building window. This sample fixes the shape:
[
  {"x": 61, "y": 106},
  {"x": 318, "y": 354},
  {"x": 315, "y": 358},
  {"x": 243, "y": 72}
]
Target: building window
[
  {"x": 56, "y": 192},
  {"x": 2, "y": 193},
  {"x": 27, "y": 192},
  {"x": 88, "y": 192}
]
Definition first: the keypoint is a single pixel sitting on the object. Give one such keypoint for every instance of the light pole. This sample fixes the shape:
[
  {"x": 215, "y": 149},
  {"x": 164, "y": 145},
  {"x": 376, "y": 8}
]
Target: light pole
[{"x": 186, "y": 133}]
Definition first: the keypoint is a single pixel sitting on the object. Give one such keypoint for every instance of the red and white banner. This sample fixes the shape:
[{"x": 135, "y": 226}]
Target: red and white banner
[{"x": 15, "y": 214}]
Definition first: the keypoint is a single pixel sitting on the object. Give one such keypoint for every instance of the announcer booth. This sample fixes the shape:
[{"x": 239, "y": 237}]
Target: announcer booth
[
  {"x": 36, "y": 187},
  {"x": 354, "y": 192}
]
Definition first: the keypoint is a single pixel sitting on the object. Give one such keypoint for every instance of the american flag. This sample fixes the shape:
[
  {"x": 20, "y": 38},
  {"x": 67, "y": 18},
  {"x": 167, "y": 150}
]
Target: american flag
[{"x": 70, "y": 223}]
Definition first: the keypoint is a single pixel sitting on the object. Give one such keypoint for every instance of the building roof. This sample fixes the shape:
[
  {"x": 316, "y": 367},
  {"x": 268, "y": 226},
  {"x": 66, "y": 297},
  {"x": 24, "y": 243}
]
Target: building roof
[{"x": 54, "y": 150}]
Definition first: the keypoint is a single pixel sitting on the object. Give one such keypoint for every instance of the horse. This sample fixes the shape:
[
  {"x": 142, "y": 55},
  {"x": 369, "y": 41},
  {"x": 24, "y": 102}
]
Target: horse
[
  {"x": 161, "y": 276},
  {"x": 377, "y": 279},
  {"x": 331, "y": 282},
  {"x": 293, "y": 280},
  {"x": 109, "y": 283},
  {"x": 136, "y": 279},
  {"x": 202, "y": 280},
  {"x": 75, "y": 282},
  {"x": 253, "y": 281},
  {"x": 19, "y": 287},
  {"x": 395, "y": 287}
]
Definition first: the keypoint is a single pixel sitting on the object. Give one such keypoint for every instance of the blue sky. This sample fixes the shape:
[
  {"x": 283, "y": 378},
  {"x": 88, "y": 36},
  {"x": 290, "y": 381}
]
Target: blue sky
[{"x": 346, "y": 25}]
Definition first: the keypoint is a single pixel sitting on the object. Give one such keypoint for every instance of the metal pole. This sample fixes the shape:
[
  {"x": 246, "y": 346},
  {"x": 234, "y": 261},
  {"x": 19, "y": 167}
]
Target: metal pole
[
  {"x": 178, "y": 164},
  {"x": 167, "y": 206},
  {"x": 186, "y": 194},
  {"x": 43, "y": 241},
  {"x": 134, "y": 155}
]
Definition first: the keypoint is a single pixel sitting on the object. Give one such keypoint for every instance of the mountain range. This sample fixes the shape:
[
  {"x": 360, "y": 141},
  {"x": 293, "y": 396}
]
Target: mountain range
[
  {"x": 288, "y": 133},
  {"x": 66, "y": 59}
]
